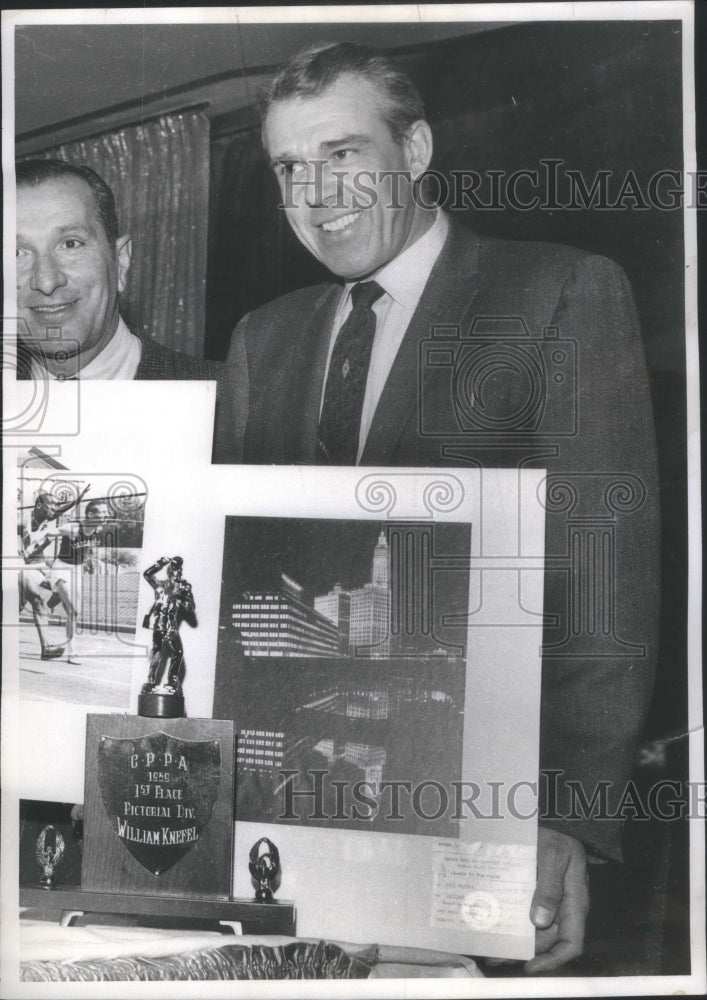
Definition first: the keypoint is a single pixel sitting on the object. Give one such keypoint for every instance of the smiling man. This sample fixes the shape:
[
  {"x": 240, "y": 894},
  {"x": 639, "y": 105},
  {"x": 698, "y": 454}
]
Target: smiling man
[
  {"x": 341, "y": 167},
  {"x": 431, "y": 347},
  {"x": 72, "y": 265}
]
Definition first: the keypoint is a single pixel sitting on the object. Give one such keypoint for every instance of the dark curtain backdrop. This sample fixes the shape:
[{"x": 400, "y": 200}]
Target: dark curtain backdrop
[
  {"x": 598, "y": 96},
  {"x": 159, "y": 174},
  {"x": 253, "y": 254}
]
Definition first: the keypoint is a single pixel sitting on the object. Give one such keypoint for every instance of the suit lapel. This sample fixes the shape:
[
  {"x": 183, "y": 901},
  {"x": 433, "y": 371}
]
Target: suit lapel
[
  {"x": 446, "y": 299},
  {"x": 301, "y": 434}
]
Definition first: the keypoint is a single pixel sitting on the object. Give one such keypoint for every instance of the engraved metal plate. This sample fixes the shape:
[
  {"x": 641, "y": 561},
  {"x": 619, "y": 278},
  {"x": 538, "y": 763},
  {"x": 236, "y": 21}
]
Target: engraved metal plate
[{"x": 158, "y": 792}]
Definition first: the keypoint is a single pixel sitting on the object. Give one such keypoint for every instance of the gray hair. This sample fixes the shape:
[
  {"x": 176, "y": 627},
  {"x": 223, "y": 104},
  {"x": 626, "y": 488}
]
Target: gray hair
[{"x": 309, "y": 72}]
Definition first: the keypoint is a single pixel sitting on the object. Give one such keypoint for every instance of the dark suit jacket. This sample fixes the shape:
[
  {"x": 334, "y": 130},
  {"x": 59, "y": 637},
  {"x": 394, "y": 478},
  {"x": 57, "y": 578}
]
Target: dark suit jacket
[
  {"x": 162, "y": 363},
  {"x": 571, "y": 395}
]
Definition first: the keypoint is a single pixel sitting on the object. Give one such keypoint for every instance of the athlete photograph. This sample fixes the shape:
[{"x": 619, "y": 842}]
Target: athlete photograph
[{"x": 78, "y": 588}]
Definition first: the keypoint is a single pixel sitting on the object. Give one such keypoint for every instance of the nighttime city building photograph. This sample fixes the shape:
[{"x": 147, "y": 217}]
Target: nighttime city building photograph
[{"x": 342, "y": 658}]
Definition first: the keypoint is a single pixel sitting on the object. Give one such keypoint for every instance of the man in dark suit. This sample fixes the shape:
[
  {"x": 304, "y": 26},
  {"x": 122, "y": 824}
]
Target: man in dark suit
[
  {"x": 440, "y": 347},
  {"x": 72, "y": 265}
]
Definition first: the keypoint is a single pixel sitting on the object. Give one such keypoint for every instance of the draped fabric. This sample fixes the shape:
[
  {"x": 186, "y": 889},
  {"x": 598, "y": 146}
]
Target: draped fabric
[
  {"x": 159, "y": 174},
  {"x": 253, "y": 254},
  {"x": 294, "y": 960}
]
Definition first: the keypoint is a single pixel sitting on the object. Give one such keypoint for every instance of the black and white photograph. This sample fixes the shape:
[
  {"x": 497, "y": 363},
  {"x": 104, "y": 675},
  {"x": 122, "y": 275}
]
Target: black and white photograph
[
  {"x": 312, "y": 256},
  {"x": 81, "y": 543},
  {"x": 333, "y": 664}
]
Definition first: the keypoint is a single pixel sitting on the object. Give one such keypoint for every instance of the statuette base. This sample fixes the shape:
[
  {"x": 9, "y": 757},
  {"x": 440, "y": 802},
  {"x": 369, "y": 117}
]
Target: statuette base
[{"x": 160, "y": 705}]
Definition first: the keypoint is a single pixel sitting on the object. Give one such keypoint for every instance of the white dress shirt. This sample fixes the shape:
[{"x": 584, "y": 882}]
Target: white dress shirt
[
  {"x": 119, "y": 359},
  {"x": 403, "y": 281}
]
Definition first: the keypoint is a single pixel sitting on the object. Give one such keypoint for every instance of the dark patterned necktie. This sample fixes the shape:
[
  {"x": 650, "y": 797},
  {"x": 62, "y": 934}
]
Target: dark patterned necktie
[{"x": 340, "y": 422}]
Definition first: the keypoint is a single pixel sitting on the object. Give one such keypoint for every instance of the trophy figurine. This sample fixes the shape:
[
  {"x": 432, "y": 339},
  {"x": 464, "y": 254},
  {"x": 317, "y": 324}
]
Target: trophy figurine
[
  {"x": 174, "y": 603},
  {"x": 264, "y": 867},
  {"x": 49, "y": 854}
]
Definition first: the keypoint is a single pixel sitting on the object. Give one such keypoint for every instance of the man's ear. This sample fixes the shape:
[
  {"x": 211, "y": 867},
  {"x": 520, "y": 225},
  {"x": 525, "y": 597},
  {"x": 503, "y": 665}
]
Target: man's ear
[
  {"x": 124, "y": 253},
  {"x": 418, "y": 148}
]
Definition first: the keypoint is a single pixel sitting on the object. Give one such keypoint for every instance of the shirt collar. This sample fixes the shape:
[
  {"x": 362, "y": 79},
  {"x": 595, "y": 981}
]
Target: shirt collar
[
  {"x": 404, "y": 278},
  {"x": 119, "y": 359}
]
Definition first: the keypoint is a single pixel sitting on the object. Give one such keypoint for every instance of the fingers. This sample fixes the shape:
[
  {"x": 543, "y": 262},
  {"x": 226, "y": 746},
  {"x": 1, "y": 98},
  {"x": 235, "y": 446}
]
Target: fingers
[
  {"x": 571, "y": 923},
  {"x": 553, "y": 858},
  {"x": 560, "y": 953},
  {"x": 560, "y": 903}
]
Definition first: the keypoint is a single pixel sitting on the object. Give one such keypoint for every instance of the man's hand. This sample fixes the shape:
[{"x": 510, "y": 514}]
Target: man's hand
[
  {"x": 63, "y": 507},
  {"x": 560, "y": 902}
]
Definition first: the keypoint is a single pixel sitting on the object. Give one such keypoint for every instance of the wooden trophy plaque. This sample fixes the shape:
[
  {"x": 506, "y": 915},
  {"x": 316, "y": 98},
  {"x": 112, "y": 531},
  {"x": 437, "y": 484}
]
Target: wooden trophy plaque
[{"x": 158, "y": 816}]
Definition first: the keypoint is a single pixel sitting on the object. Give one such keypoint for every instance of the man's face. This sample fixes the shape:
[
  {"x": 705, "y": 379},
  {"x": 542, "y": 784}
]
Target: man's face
[
  {"x": 96, "y": 517},
  {"x": 68, "y": 274},
  {"x": 342, "y": 208},
  {"x": 45, "y": 508}
]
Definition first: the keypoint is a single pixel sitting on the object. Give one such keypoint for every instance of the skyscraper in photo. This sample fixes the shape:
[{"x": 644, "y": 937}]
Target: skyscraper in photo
[
  {"x": 380, "y": 574},
  {"x": 363, "y": 615},
  {"x": 369, "y": 629},
  {"x": 336, "y": 606},
  {"x": 280, "y": 622}
]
